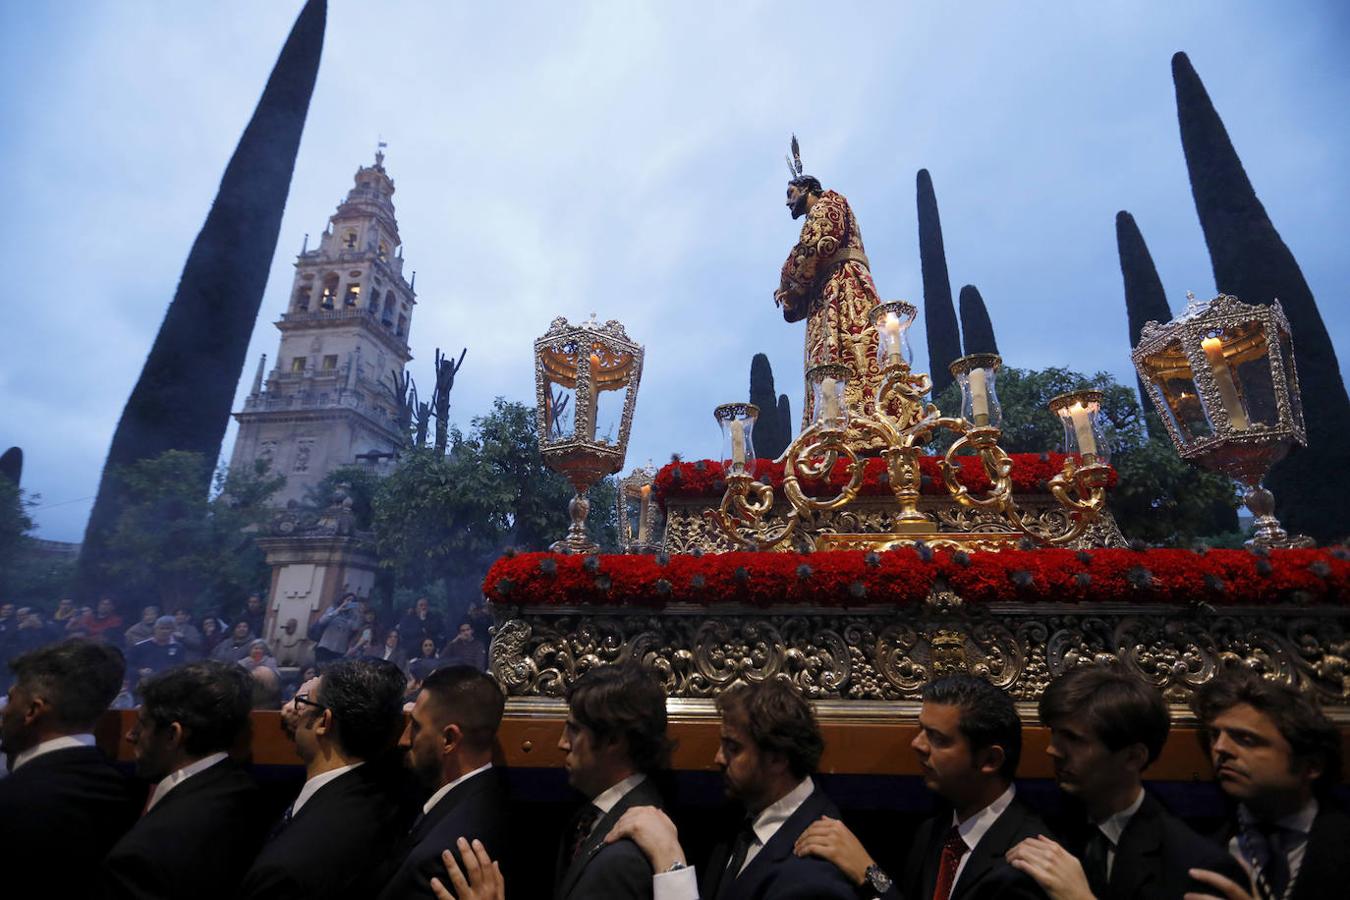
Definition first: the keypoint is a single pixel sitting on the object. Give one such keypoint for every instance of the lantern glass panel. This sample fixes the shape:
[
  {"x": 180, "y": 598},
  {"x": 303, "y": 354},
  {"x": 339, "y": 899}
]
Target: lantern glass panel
[
  {"x": 1171, "y": 371},
  {"x": 560, "y": 395},
  {"x": 633, "y": 502},
  {"x": 1291, "y": 377},
  {"x": 1256, "y": 386}
]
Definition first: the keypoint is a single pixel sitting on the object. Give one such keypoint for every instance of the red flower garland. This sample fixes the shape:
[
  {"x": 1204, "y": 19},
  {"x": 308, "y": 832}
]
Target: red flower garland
[
  {"x": 1030, "y": 472},
  {"x": 898, "y": 578}
]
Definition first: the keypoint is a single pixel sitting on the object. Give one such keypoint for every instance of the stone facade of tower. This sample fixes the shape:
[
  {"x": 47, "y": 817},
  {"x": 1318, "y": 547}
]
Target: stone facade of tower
[{"x": 344, "y": 343}]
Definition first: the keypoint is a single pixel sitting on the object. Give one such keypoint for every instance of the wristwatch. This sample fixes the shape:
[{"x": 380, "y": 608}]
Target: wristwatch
[{"x": 875, "y": 882}]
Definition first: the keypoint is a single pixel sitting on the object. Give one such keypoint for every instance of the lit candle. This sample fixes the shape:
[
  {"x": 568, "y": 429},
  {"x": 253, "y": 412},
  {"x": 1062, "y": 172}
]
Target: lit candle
[
  {"x": 737, "y": 444},
  {"x": 643, "y": 502},
  {"x": 1223, "y": 380},
  {"x": 979, "y": 397},
  {"x": 828, "y": 389},
  {"x": 890, "y": 333},
  {"x": 1082, "y": 427}
]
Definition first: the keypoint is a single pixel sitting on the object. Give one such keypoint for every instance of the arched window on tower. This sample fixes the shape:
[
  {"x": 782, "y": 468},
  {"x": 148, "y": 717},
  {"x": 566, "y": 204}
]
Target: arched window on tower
[
  {"x": 402, "y": 326},
  {"x": 383, "y": 253},
  {"x": 349, "y": 239},
  {"x": 302, "y": 295},
  {"x": 330, "y": 288},
  {"x": 353, "y": 294},
  {"x": 387, "y": 319}
]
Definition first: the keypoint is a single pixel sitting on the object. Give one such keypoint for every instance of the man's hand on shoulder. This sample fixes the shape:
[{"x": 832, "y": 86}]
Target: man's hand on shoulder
[
  {"x": 1056, "y": 870},
  {"x": 653, "y": 832},
  {"x": 830, "y": 840}
]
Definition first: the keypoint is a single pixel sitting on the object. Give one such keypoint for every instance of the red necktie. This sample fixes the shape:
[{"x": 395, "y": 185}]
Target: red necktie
[{"x": 952, "y": 850}]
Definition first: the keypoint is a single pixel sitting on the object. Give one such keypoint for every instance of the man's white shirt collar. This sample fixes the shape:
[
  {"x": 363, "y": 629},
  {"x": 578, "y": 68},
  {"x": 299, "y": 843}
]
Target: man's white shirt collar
[
  {"x": 606, "y": 799},
  {"x": 312, "y": 785},
  {"x": 1113, "y": 826},
  {"x": 972, "y": 829},
  {"x": 64, "y": 742},
  {"x": 176, "y": 778},
  {"x": 447, "y": 788}
]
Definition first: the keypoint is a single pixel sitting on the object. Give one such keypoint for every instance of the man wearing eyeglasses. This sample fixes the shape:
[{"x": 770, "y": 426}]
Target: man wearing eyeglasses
[{"x": 352, "y": 809}]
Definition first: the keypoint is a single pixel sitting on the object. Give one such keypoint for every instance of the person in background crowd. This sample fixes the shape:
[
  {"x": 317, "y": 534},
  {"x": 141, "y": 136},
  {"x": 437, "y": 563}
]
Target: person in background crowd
[
  {"x": 187, "y": 634},
  {"x": 480, "y": 617},
  {"x": 447, "y": 743},
  {"x": 421, "y": 622},
  {"x": 212, "y": 635},
  {"x": 157, "y": 653},
  {"x": 615, "y": 738},
  {"x": 235, "y": 647},
  {"x": 259, "y": 656},
  {"x": 969, "y": 744},
  {"x": 292, "y": 648},
  {"x": 103, "y": 623},
  {"x": 1105, "y": 729},
  {"x": 33, "y": 632},
  {"x": 1277, "y": 755},
  {"x": 366, "y": 635},
  {"x": 202, "y": 825},
  {"x": 335, "y": 628},
  {"x": 389, "y": 650},
  {"x": 255, "y": 614},
  {"x": 143, "y": 629},
  {"x": 9, "y": 631},
  {"x": 65, "y": 613},
  {"x": 63, "y": 805},
  {"x": 465, "y": 649},
  {"x": 266, "y": 688},
  {"x": 350, "y": 815},
  {"x": 425, "y": 662},
  {"x": 125, "y": 699}
]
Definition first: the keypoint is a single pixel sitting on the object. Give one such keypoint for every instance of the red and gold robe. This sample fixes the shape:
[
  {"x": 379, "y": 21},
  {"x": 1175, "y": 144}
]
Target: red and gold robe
[{"x": 827, "y": 282}]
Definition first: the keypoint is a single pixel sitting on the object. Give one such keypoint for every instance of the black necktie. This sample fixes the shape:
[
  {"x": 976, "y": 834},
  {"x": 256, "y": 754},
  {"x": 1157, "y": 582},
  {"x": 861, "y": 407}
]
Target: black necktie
[
  {"x": 1273, "y": 861},
  {"x": 283, "y": 822},
  {"x": 1094, "y": 862},
  {"x": 581, "y": 828},
  {"x": 745, "y": 838}
]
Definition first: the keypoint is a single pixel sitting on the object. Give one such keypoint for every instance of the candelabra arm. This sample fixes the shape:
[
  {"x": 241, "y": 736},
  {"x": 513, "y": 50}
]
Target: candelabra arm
[{"x": 997, "y": 465}]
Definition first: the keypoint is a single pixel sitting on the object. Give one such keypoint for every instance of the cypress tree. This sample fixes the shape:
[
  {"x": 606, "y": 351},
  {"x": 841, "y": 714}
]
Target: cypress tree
[
  {"x": 1145, "y": 299},
  {"x": 785, "y": 429},
  {"x": 768, "y": 430},
  {"x": 11, "y": 464},
  {"x": 977, "y": 332},
  {"x": 1253, "y": 263},
  {"x": 183, "y": 397},
  {"x": 944, "y": 336}
]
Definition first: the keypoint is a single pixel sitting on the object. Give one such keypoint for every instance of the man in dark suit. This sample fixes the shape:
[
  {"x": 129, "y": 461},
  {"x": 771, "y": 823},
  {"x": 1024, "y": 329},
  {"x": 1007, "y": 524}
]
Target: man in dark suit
[
  {"x": 769, "y": 746},
  {"x": 1105, "y": 729},
  {"x": 448, "y": 743},
  {"x": 1278, "y": 756},
  {"x": 63, "y": 805},
  {"x": 201, "y": 827},
  {"x": 351, "y": 812},
  {"x": 615, "y": 737},
  {"x": 969, "y": 744}
]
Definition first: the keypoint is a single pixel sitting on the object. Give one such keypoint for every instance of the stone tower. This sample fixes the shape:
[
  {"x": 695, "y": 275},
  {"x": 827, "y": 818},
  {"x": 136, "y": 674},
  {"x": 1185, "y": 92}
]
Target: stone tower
[{"x": 344, "y": 342}]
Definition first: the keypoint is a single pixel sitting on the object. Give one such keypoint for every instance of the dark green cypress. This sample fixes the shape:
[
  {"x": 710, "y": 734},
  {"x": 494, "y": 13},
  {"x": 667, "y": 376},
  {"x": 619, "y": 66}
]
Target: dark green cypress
[
  {"x": 183, "y": 397},
  {"x": 785, "y": 429},
  {"x": 1145, "y": 299},
  {"x": 977, "y": 332},
  {"x": 11, "y": 464},
  {"x": 1252, "y": 262},
  {"x": 939, "y": 315},
  {"x": 768, "y": 431}
]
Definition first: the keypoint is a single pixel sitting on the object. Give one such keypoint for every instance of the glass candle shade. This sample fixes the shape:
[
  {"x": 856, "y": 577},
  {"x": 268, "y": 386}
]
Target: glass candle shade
[
  {"x": 1080, "y": 414},
  {"x": 737, "y": 421},
  {"x": 827, "y": 384},
  {"x": 976, "y": 374},
  {"x": 892, "y": 320}
]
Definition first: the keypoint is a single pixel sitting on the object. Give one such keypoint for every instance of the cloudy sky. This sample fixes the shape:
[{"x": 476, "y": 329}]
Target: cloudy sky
[{"x": 627, "y": 159}]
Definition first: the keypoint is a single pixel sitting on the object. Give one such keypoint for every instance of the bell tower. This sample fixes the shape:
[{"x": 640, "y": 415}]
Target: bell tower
[{"x": 344, "y": 343}]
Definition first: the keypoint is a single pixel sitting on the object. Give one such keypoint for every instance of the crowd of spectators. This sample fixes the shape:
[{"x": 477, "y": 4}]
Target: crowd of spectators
[{"x": 415, "y": 640}]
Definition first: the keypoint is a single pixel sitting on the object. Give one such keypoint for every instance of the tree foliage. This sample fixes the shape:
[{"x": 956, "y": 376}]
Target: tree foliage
[
  {"x": 1159, "y": 497},
  {"x": 450, "y": 516},
  {"x": 772, "y": 434},
  {"x": 977, "y": 331},
  {"x": 939, "y": 315},
  {"x": 176, "y": 545}
]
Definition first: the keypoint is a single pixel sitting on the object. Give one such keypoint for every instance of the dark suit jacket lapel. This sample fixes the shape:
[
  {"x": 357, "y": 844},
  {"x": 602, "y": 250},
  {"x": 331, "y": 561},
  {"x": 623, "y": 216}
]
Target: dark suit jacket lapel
[
  {"x": 204, "y": 780},
  {"x": 780, "y": 845},
  {"x": 645, "y": 794},
  {"x": 1139, "y": 852},
  {"x": 458, "y": 794},
  {"x": 989, "y": 852},
  {"x": 1323, "y": 856}
]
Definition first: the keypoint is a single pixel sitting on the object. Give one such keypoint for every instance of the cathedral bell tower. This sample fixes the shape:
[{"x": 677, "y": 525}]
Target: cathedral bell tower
[{"x": 344, "y": 343}]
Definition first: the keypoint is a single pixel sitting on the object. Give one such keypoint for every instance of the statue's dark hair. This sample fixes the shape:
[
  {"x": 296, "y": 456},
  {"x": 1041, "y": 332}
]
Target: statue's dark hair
[
  {"x": 624, "y": 702},
  {"x": 810, "y": 183},
  {"x": 366, "y": 699},
  {"x": 470, "y": 699},
  {"x": 778, "y": 720},
  {"x": 209, "y": 700},
  {"x": 78, "y": 678},
  {"x": 988, "y": 716}
]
